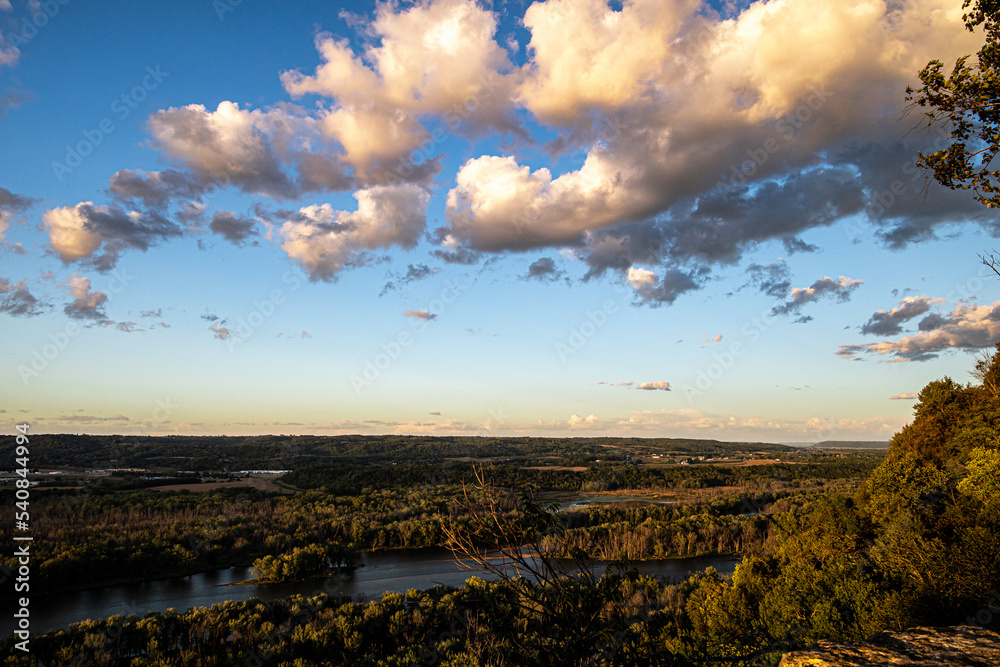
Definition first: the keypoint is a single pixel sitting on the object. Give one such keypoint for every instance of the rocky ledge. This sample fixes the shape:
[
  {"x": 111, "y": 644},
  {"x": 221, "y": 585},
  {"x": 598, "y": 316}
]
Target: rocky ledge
[{"x": 958, "y": 646}]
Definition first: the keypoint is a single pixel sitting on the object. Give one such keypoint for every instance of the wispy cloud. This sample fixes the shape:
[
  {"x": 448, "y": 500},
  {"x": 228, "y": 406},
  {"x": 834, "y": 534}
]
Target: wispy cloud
[
  {"x": 413, "y": 272},
  {"x": 17, "y": 300},
  {"x": 420, "y": 314},
  {"x": 888, "y": 323},
  {"x": 544, "y": 269},
  {"x": 654, "y": 386},
  {"x": 773, "y": 279},
  {"x": 220, "y": 332},
  {"x": 825, "y": 287}
]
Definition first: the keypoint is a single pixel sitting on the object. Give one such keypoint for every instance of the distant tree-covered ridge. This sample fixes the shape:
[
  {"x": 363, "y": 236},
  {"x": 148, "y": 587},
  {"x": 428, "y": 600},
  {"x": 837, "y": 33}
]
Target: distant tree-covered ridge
[
  {"x": 230, "y": 453},
  {"x": 852, "y": 444}
]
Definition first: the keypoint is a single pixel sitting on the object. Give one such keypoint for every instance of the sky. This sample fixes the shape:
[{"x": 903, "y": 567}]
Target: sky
[{"x": 656, "y": 218}]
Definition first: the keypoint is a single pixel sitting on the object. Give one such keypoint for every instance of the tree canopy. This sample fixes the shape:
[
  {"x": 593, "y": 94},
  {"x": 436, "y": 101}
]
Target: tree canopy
[{"x": 968, "y": 101}]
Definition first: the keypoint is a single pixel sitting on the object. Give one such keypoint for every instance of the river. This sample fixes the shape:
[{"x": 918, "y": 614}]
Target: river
[{"x": 396, "y": 571}]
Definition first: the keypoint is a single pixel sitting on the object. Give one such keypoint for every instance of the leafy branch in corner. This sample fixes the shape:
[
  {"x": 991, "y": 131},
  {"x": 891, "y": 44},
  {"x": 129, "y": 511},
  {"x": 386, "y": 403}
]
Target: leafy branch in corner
[{"x": 968, "y": 101}]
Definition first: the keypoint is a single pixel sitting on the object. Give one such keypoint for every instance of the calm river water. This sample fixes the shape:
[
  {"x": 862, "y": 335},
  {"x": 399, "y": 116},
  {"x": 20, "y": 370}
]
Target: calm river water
[{"x": 396, "y": 571}]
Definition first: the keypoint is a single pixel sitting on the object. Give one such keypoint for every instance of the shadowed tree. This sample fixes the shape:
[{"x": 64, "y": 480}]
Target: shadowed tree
[
  {"x": 968, "y": 101},
  {"x": 564, "y": 612}
]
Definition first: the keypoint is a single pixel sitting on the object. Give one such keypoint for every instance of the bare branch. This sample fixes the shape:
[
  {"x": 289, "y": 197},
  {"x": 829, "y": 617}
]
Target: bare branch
[{"x": 991, "y": 261}]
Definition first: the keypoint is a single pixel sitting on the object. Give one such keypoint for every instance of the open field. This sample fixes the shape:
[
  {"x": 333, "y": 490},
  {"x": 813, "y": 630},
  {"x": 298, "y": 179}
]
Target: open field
[{"x": 758, "y": 462}]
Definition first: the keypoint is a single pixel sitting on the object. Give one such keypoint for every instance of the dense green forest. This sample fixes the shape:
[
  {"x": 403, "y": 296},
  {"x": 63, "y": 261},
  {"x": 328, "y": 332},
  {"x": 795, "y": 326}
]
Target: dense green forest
[
  {"x": 225, "y": 453},
  {"x": 370, "y": 493},
  {"x": 837, "y": 548},
  {"x": 108, "y": 530}
]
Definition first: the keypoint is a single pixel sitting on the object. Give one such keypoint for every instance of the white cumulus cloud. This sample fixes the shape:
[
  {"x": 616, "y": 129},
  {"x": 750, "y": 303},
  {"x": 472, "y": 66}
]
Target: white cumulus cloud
[{"x": 325, "y": 241}]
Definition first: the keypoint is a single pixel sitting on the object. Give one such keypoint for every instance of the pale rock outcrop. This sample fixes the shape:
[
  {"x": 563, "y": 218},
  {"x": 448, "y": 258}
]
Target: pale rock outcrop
[{"x": 958, "y": 646}]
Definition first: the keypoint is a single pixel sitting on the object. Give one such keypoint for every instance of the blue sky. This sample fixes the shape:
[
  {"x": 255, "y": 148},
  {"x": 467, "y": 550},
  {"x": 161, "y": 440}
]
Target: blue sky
[{"x": 561, "y": 218}]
